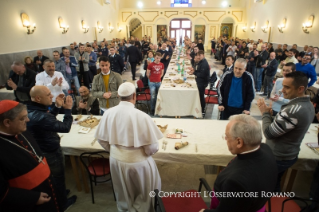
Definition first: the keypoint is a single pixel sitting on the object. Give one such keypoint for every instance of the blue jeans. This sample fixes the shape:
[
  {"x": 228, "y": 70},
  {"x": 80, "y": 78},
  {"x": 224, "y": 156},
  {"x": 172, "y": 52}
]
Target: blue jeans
[
  {"x": 259, "y": 76},
  {"x": 154, "y": 87},
  {"x": 282, "y": 166},
  {"x": 56, "y": 163},
  {"x": 75, "y": 80}
]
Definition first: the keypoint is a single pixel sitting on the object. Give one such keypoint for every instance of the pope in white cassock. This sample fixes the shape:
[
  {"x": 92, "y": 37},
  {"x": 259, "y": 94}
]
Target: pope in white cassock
[{"x": 132, "y": 137}]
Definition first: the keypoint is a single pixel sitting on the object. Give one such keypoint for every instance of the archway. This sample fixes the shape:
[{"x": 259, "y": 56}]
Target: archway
[
  {"x": 179, "y": 28},
  {"x": 135, "y": 28},
  {"x": 227, "y": 27}
]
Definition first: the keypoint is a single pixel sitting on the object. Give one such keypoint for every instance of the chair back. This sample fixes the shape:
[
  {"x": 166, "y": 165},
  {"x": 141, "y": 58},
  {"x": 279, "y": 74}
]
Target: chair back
[
  {"x": 140, "y": 85},
  {"x": 95, "y": 163}
]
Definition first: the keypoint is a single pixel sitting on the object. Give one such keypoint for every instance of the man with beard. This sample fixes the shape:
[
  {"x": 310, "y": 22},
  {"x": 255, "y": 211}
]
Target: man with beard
[{"x": 85, "y": 103}]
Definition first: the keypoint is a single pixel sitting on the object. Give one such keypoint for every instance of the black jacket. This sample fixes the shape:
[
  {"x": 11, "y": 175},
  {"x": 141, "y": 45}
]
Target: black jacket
[
  {"x": 261, "y": 58},
  {"x": 164, "y": 60},
  {"x": 40, "y": 67},
  {"x": 213, "y": 44},
  {"x": 271, "y": 69},
  {"x": 242, "y": 49},
  {"x": 28, "y": 82},
  {"x": 226, "y": 68},
  {"x": 116, "y": 63},
  {"x": 202, "y": 73},
  {"x": 134, "y": 54},
  {"x": 200, "y": 46},
  {"x": 248, "y": 90},
  {"x": 252, "y": 55},
  {"x": 95, "y": 109},
  {"x": 44, "y": 126}
]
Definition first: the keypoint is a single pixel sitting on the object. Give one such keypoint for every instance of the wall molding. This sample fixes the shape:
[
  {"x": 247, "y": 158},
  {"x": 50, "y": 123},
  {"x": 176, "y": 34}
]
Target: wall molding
[
  {"x": 220, "y": 14},
  {"x": 156, "y": 14},
  {"x": 238, "y": 15},
  {"x": 170, "y": 13},
  {"x": 127, "y": 15},
  {"x": 191, "y": 13}
]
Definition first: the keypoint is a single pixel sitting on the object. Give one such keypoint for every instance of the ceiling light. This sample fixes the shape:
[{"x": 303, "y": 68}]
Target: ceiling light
[
  {"x": 224, "y": 3},
  {"x": 140, "y": 4},
  {"x": 158, "y": 2},
  {"x": 204, "y": 2}
]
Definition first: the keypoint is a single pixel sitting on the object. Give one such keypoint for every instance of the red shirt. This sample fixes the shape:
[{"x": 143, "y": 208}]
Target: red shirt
[{"x": 156, "y": 71}]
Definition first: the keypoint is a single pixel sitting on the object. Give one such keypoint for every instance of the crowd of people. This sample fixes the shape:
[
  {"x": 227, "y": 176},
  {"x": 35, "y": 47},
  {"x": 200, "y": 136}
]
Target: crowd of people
[{"x": 92, "y": 73}]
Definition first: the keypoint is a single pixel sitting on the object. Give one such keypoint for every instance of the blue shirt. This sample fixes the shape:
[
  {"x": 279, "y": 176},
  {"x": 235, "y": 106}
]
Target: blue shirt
[
  {"x": 309, "y": 70},
  {"x": 235, "y": 97},
  {"x": 94, "y": 59}
]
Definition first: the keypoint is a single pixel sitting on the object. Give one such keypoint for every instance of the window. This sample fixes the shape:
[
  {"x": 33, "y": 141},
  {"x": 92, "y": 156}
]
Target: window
[
  {"x": 181, "y": 3},
  {"x": 175, "y": 24},
  {"x": 186, "y": 24}
]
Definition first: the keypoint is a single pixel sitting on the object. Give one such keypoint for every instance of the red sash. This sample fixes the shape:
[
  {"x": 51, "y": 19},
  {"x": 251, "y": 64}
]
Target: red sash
[{"x": 33, "y": 178}]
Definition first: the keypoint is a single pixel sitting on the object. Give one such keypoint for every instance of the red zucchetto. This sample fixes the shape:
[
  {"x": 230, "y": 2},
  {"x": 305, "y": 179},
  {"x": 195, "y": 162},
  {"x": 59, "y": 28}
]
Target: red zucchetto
[{"x": 6, "y": 105}]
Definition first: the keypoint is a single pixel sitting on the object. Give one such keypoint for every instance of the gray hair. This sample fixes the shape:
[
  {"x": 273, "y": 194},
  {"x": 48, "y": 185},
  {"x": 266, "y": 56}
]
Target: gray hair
[
  {"x": 247, "y": 128},
  {"x": 242, "y": 61},
  {"x": 13, "y": 113},
  {"x": 48, "y": 61},
  {"x": 16, "y": 63}
]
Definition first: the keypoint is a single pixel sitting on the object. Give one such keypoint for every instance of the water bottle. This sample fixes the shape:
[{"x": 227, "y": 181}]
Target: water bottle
[
  {"x": 184, "y": 77},
  {"x": 178, "y": 68}
]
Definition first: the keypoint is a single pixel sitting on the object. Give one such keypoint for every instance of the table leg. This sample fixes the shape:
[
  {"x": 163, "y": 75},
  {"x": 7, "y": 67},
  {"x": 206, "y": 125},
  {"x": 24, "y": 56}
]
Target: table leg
[
  {"x": 84, "y": 175},
  {"x": 291, "y": 180},
  {"x": 75, "y": 172}
]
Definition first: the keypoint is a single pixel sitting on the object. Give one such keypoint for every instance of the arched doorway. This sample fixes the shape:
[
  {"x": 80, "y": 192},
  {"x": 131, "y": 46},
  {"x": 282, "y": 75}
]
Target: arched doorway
[
  {"x": 179, "y": 28},
  {"x": 135, "y": 28}
]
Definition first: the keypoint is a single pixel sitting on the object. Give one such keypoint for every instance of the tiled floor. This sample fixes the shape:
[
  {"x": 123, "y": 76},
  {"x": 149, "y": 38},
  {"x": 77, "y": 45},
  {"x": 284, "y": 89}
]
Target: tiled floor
[{"x": 175, "y": 177}]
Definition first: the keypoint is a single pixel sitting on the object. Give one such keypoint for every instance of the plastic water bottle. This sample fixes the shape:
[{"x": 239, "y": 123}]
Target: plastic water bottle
[
  {"x": 178, "y": 68},
  {"x": 184, "y": 77}
]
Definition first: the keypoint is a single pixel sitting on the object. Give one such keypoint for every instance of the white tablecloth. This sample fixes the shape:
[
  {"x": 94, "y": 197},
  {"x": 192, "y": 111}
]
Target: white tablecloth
[
  {"x": 179, "y": 100},
  {"x": 6, "y": 94},
  {"x": 205, "y": 134}
]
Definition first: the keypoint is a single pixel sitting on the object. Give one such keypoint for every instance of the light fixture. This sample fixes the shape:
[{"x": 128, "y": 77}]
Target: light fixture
[
  {"x": 26, "y": 23},
  {"x": 111, "y": 28},
  {"x": 63, "y": 26},
  {"x": 140, "y": 4},
  {"x": 159, "y": 2},
  {"x": 253, "y": 27},
  {"x": 244, "y": 29},
  {"x": 85, "y": 27},
  {"x": 224, "y": 3},
  {"x": 119, "y": 29},
  {"x": 282, "y": 25},
  {"x": 308, "y": 24},
  {"x": 266, "y": 27},
  {"x": 99, "y": 27},
  {"x": 204, "y": 2}
]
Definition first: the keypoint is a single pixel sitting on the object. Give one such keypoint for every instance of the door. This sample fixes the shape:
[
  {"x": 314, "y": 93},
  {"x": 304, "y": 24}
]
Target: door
[{"x": 179, "y": 28}]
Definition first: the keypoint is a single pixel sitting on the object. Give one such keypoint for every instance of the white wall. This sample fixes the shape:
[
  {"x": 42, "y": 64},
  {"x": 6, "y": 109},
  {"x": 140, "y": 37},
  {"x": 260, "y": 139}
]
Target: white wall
[
  {"x": 296, "y": 12},
  {"x": 45, "y": 14}
]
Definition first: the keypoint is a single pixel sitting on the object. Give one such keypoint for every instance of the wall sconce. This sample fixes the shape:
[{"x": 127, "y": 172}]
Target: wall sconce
[
  {"x": 99, "y": 27},
  {"x": 119, "y": 28},
  {"x": 85, "y": 27},
  {"x": 282, "y": 25},
  {"x": 26, "y": 23},
  {"x": 111, "y": 28},
  {"x": 62, "y": 25},
  {"x": 266, "y": 27},
  {"x": 308, "y": 24},
  {"x": 244, "y": 29},
  {"x": 253, "y": 27}
]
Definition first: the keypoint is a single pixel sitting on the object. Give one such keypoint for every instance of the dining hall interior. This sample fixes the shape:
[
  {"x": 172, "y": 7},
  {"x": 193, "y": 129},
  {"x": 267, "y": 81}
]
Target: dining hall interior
[{"x": 253, "y": 43}]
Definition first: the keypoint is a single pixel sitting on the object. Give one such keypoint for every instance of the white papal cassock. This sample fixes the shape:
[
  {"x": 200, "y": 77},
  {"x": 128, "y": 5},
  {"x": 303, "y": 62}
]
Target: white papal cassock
[{"x": 132, "y": 137}]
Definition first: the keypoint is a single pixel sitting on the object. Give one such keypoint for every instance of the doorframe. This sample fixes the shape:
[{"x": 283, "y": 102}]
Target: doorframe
[{"x": 180, "y": 19}]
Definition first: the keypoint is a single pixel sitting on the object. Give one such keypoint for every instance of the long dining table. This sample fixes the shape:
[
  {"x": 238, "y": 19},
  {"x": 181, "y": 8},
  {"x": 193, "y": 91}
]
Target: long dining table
[{"x": 205, "y": 145}]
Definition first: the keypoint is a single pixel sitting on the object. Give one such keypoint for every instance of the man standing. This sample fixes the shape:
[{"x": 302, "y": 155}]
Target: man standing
[
  {"x": 131, "y": 145},
  {"x": 261, "y": 64},
  {"x": 60, "y": 67},
  {"x": 105, "y": 85},
  {"x": 92, "y": 62},
  {"x": 134, "y": 57},
  {"x": 116, "y": 61},
  {"x": 21, "y": 80},
  {"x": 308, "y": 69},
  {"x": 286, "y": 131},
  {"x": 38, "y": 60},
  {"x": 86, "y": 104},
  {"x": 213, "y": 46},
  {"x": 165, "y": 56},
  {"x": 72, "y": 49},
  {"x": 270, "y": 72},
  {"x": 251, "y": 63},
  {"x": 103, "y": 51},
  {"x": 83, "y": 66},
  {"x": 202, "y": 75},
  {"x": 44, "y": 127},
  {"x": 52, "y": 79},
  {"x": 155, "y": 71},
  {"x": 229, "y": 64},
  {"x": 200, "y": 45},
  {"x": 25, "y": 177},
  {"x": 278, "y": 52},
  {"x": 236, "y": 91}
]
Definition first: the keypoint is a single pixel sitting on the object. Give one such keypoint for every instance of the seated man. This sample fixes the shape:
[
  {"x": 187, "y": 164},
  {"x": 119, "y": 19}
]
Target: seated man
[
  {"x": 308, "y": 69},
  {"x": 105, "y": 85},
  {"x": 236, "y": 91},
  {"x": 21, "y": 80},
  {"x": 253, "y": 171},
  {"x": 85, "y": 103}
]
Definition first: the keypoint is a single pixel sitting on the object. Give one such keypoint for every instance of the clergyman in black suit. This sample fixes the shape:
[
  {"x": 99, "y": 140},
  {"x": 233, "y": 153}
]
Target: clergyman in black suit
[
  {"x": 134, "y": 57},
  {"x": 270, "y": 72},
  {"x": 38, "y": 60}
]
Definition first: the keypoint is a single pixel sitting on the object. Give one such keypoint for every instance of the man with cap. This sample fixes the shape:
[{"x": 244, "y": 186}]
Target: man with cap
[
  {"x": 44, "y": 127},
  {"x": 25, "y": 177},
  {"x": 134, "y": 172}
]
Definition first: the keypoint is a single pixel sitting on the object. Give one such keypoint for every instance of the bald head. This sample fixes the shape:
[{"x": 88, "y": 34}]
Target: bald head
[
  {"x": 39, "y": 53},
  {"x": 272, "y": 55},
  {"x": 84, "y": 92},
  {"x": 41, "y": 94}
]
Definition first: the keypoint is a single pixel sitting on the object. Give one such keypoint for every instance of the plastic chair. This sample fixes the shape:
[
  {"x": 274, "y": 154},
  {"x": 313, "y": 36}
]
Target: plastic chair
[
  {"x": 284, "y": 204},
  {"x": 141, "y": 95},
  {"x": 96, "y": 166},
  {"x": 182, "y": 203}
]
